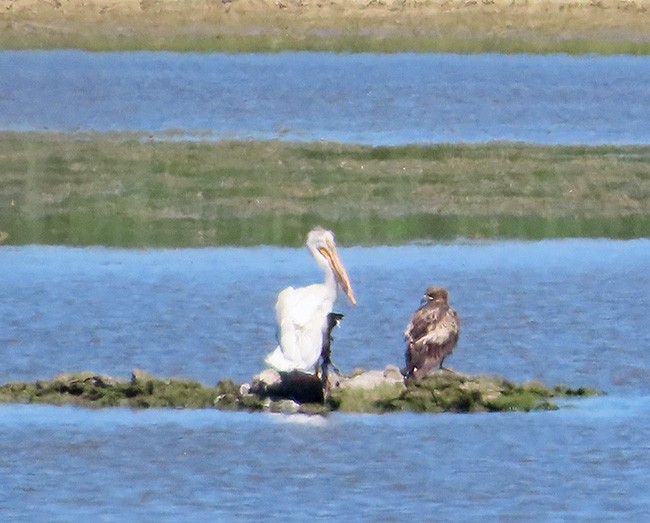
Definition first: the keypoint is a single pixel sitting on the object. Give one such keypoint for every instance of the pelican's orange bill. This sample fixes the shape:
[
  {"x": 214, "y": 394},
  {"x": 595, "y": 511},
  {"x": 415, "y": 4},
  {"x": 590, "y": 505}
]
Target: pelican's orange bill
[{"x": 341, "y": 274}]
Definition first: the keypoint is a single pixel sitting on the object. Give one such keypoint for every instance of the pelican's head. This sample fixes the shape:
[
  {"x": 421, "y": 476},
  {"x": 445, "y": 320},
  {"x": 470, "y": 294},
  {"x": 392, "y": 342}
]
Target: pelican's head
[
  {"x": 435, "y": 294},
  {"x": 321, "y": 244}
]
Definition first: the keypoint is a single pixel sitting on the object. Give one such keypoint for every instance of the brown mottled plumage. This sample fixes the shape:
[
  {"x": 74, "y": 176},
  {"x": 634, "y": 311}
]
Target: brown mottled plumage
[{"x": 431, "y": 335}]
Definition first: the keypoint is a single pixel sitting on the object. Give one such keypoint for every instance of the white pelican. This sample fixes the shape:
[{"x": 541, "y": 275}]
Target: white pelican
[
  {"x": 302, "y": 313},
  {"x": 431, "y": 335}
]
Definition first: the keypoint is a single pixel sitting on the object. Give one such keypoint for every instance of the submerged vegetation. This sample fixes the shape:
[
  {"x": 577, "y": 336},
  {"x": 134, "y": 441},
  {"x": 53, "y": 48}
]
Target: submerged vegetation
[
  {"x": 441, "y": 392},
  {"x": 124, "y": 190}
]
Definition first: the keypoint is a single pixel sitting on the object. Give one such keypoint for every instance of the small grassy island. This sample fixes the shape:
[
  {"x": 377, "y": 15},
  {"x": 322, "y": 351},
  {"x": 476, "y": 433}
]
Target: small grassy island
[
  {"x": 362, "y": 393},
  {"x": 81, "y": 190}
]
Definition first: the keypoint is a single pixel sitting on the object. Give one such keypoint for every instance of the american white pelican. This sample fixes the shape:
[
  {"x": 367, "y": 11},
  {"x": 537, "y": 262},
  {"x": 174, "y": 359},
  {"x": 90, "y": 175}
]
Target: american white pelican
[
  {"x": 431, "y": 335},
  {"x": 302, "y": 313}
]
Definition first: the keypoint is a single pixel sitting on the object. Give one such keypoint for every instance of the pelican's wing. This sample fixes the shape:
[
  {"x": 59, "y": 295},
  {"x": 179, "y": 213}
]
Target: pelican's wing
[
  {"x": 302, "y": 317},
  {"x": 299, "y": 305}
]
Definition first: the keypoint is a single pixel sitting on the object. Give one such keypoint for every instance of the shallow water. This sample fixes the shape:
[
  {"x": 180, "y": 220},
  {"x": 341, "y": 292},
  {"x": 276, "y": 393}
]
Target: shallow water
[
  {"x": 572, "y": 311},
  {"x": 585, "y": 463},
  {"x": 359, "y": 98}
]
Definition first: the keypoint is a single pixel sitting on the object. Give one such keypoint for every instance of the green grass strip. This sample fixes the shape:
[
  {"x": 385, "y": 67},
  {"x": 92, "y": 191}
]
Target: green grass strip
[{"x": 125, "y": 190}]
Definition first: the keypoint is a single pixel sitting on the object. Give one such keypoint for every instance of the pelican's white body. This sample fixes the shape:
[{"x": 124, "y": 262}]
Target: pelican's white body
[
  {"x": 302, "y": 313},
  {"x": 302, "y": 316}
]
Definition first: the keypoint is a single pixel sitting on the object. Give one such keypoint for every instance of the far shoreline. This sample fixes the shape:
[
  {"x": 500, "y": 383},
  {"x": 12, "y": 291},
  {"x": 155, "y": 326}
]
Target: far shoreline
[{"x": 383, "y": 26}]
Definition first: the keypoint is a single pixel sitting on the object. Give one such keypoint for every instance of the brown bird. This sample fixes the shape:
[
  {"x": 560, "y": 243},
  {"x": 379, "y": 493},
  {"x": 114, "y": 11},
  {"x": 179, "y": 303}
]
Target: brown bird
[{"x": 431, "y": 334}]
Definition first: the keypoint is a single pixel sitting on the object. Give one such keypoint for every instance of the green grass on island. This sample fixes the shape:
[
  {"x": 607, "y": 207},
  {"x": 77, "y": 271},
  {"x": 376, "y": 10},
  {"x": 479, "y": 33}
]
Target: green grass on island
[
  {"x": 127, "y": 190},
  {"x": 439, "y": 392}
]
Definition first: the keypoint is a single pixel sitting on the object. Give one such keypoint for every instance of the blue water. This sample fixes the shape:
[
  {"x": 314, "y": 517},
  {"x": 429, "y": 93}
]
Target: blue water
[
  {"x": 589, "y": 463},
  {"x": 570, "y": 311},
  {"x": 361, "y": 98}
]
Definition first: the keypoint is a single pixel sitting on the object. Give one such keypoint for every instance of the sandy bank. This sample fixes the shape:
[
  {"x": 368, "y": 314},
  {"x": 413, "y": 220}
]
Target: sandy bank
[{"x": 339, "y": 25}]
